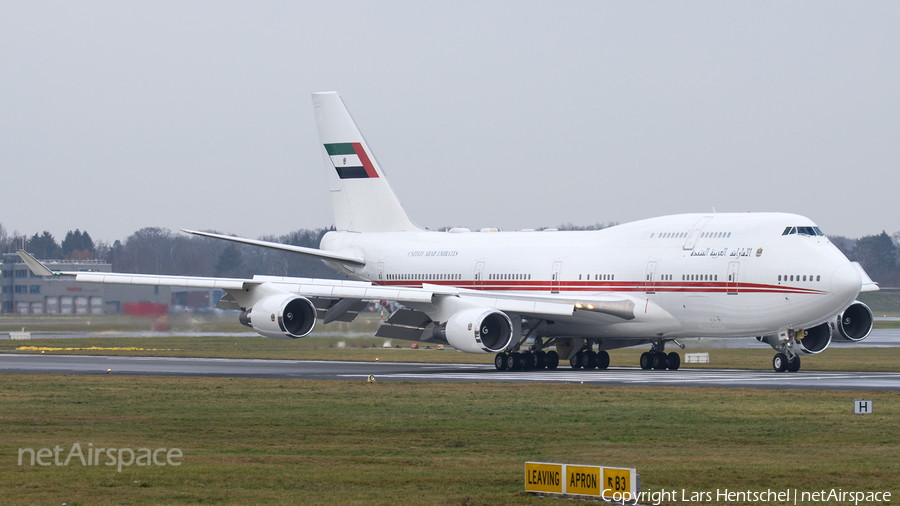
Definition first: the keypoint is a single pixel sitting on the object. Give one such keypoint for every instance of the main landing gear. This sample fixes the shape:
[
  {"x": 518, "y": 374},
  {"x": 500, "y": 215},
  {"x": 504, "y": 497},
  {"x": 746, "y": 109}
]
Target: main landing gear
[
  {"x": 534, "y": 358},
  {"x": 657, "y": 359},
  {"x": 526, "y": 360},
  {"x": 589, "y": 359}
]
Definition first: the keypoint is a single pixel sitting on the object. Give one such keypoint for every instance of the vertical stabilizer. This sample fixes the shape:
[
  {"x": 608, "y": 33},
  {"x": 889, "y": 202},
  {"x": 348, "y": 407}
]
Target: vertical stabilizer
[{"x": 361, "y": 197}]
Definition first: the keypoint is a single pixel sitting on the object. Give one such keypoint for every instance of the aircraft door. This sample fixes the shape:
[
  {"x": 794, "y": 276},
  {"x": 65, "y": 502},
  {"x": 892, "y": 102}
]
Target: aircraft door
[
  {"x": 650, "y": 280},
  {"x": 554, "y": 277},
  {"x": 731, "y": 279},
  {"x": 380, "y": 273},
  {"x": 479, "y": 275},
  {"x": 695, "y": 232}
]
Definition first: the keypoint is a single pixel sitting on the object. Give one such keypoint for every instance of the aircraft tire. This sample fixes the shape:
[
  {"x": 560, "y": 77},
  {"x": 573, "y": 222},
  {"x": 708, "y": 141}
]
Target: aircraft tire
[
  {"x": 500, "y": 361},
  {"x": 659, "y": 360},
  {"x": 528, "y": 361},
  {"x": 589, "y": 360},
  {"x": 576, "y": 360},
  {"x": 780, "y": 362},
  {"x": 602, "y": 360},
  {"x": 514, "y": 362},
  {"x": 645, "y": 361},
  {"x": 540, "y": 360},
  {"x": 552, "y": 360},
  {"x": 674, "y": 360},
  {"x": 794, "y": 365}
]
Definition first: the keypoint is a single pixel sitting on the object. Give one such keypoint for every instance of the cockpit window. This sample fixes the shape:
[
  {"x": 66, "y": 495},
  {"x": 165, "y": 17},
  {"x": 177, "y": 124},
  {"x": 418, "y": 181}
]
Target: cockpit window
[{"x": 803, "y": 231}]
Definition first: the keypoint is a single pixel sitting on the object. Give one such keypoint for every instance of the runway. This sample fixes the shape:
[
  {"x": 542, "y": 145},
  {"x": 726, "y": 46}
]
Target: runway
[{"x": 395, "y": 371}]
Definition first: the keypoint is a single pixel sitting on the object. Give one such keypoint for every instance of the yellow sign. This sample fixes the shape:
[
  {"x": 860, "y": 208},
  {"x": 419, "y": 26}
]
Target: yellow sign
[
  {"x": 583, "y": 480},
  {"x": 617, "y": 482},
  {"x": 543, "y": 477}
]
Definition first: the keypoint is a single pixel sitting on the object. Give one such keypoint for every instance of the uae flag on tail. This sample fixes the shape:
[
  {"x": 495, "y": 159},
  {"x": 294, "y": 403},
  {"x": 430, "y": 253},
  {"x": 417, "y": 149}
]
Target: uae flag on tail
[{"x": 350, "y": 160}]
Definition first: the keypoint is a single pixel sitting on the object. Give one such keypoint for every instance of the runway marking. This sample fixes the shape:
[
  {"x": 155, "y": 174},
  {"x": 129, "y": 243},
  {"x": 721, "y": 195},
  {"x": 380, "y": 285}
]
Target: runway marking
[{"x": 631, "y": 376}]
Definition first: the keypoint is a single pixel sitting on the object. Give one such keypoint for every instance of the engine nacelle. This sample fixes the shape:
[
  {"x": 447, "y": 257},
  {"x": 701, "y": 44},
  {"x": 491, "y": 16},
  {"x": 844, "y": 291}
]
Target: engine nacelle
[
  {"x": 477, "y": 330},
  {"x": 855, "y": 323},
  {"x": 815, "y": 340},
  {"x": 281, "y": 316}
]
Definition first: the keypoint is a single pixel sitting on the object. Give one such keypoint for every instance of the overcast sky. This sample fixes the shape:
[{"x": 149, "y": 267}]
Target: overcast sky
[{"x": 120, "y": 115}]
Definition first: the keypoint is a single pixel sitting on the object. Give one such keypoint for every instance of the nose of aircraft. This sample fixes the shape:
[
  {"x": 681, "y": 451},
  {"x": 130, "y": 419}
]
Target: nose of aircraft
[{"x": 845, "y": 283}]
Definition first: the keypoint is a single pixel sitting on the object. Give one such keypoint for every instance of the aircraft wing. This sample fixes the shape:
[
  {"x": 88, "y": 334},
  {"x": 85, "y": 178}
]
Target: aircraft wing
[
  {"x": 318, "y": 253},
  {"x": 341, "y": 300},
  {"x": 524, "y": 304}
]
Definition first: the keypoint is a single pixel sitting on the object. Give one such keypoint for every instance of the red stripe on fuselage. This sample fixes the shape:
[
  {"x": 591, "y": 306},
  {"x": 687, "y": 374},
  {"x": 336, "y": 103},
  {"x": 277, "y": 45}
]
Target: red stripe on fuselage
[
  {"x": 618, "y": 286},
  {"x": 364, "y": 158}
]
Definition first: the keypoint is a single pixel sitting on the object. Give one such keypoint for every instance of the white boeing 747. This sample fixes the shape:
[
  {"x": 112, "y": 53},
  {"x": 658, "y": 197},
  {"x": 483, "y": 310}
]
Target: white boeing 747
[{"x": 535, "y": 297}]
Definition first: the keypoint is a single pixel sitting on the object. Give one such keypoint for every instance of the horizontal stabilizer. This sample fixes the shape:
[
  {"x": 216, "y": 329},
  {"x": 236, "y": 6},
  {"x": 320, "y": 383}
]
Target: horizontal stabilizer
[
  {"x": 867, "y": 284},
  {"x": 318, "y": 253}
]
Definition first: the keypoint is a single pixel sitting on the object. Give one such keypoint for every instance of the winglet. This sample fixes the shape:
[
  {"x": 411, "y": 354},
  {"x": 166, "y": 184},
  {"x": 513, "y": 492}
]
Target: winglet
[{"x": 35, "y": 265}]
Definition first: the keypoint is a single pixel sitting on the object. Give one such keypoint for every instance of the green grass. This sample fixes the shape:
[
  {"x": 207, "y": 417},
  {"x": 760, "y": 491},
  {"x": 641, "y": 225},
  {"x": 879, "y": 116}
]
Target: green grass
[
  {"x": 882, "y": 303},
  {"x": 261, "y": 441}
]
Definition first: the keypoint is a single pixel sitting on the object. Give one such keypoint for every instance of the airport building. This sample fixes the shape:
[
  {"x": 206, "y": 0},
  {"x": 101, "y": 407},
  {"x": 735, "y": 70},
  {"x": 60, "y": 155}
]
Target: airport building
[{"x": 22, "y": 292}]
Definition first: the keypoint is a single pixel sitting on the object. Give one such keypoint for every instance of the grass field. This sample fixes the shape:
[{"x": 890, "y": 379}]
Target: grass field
[{"x": 259, "y": 441}]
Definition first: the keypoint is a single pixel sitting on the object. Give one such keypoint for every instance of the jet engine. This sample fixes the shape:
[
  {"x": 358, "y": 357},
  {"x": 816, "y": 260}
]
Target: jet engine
[
  {"x": 815, "y": 340},
  {"x": 855, "y": 323},
  {"x": 477, "y": 330},
  {"x": 282, "y": 316}
]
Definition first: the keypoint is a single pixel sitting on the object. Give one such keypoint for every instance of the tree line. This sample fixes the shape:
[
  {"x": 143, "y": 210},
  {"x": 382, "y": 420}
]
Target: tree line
[{"x": 155, "y": 250}]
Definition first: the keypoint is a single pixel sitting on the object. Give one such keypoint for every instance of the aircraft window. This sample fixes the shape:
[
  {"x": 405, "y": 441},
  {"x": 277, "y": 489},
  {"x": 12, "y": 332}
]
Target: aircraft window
[
  {"x": 818, "y": 278},
  {"x": 804, "y": 277},
  {"x": 729, "y": 234},
  {"x": 682, "y": 277},
  {"x": 818, "y": 231},
  {"x": 579, "y": 277},
  {"x": 787, "y": 230},
  {"x": 806, "y": 230},
  {"x": 779, "y": 278},
  {"x": 717, "y": 278}
]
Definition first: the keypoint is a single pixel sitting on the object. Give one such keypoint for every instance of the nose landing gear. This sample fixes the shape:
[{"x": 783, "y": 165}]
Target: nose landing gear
[{"x": 787, "y": 359}]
